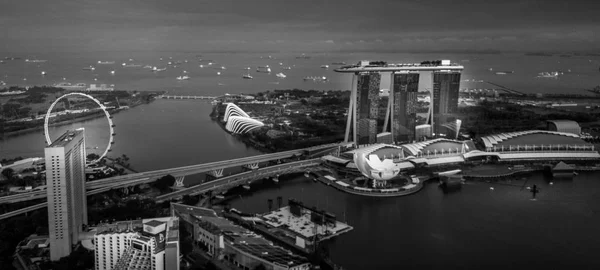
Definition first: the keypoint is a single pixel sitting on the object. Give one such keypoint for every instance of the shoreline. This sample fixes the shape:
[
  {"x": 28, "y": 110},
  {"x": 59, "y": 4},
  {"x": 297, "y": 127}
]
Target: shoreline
[{"x": 99, "y": 114}]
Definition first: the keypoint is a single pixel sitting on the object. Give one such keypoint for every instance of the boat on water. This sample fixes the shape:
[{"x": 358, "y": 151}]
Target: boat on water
[
  {"x": 148, "y": 66},
  {"x": 266, "y": 69},
  {"x": 155, "y": 69},
  {"x": 325, "y": 66},
  {"x": 247, "y": 76},
  {"x": 130, "y": 65},
  {"x": 219, "y": 196},
  {"x": 106, "y": 62},
  {"x": 72, "y": 87},
  {"x": 112, "y": 72},
  {"x": 43, "y": 73},
  {"x": 181, "y": 78},
  {"x": 276, "y": 179},
  {"x": 306, "y": 174},
  {"x": 35, "y": 61},
  {"x": 504, "y": 72},
  {"x": 287, "y": 68},
  {"x": 246, "y": 187},
  {"x": 222, "y": 68},
  {"x": 316, "y": 78},
  {"x": 280, "y": 75},
  {"x": 247, "y": 68},
  {"x": 89, "y": 68},
  {"x": 553, "y": 74}
]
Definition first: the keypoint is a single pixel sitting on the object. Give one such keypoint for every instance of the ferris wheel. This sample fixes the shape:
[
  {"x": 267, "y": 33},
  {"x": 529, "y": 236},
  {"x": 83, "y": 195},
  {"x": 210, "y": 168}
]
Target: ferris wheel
[{"x": 102, "y": 107}]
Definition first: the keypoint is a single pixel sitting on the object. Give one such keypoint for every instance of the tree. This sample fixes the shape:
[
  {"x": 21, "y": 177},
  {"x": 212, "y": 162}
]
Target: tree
[
  {"x": 93, "y": 156},
  {"x": 165, "y": 182},
  {"x": 260, "y": 267},
  {"x": 8, "y": 173},
  {"x": 190, "y": 200}
]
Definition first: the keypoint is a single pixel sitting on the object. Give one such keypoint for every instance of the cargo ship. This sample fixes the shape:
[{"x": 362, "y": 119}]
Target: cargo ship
[{"x": 71, "y": 87}]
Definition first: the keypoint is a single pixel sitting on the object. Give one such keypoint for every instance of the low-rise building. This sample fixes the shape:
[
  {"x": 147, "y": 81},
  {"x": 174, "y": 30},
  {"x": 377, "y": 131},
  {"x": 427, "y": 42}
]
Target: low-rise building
[
  {"x": 226, "y": 241},
  {"x": 151, "y": 244}
]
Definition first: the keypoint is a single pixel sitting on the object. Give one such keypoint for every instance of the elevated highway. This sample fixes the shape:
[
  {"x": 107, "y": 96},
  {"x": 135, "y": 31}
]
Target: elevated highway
[
  {"x": 241, "y": 178},
  {"x": 151, "y": 176}
]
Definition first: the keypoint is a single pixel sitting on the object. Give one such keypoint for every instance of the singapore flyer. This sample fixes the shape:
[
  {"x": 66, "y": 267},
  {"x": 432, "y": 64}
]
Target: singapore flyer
[{"x": 102, "y": 107}]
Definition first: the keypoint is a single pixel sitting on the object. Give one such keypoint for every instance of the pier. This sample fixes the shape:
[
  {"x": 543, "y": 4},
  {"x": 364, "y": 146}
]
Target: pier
[{"x": 187, "y": 97}]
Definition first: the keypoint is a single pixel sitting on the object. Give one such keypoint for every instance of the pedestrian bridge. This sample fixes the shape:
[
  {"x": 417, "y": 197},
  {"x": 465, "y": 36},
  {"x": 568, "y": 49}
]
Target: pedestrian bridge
[{"x": 187, "y": 97}]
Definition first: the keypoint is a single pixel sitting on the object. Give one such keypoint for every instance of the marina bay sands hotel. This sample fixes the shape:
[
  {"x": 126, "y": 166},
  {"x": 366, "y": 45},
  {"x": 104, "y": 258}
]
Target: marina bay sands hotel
[{"x": 400, "y": 122}]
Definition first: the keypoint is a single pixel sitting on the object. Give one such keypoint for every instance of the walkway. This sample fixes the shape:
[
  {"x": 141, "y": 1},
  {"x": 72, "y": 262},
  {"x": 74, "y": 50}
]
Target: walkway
[{"x": 415, "y": 186}]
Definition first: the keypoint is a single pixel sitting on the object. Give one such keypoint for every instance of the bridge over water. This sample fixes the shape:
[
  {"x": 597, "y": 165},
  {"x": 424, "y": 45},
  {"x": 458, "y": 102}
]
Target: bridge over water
[{"x": 215, "y": 169}]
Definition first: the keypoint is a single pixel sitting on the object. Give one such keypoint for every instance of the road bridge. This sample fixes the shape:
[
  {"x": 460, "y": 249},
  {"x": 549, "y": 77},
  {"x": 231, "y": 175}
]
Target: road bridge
[
  {"x": 98, "y": 186},
  {"x": 151, "y": 176},
  {"x": 241, "y": 178}
]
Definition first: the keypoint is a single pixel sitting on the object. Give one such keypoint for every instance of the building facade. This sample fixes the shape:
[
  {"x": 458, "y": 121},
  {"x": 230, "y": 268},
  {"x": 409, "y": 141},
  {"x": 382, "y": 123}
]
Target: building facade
[
  {"x": 67, "y": 203},
  {"x": 367, "y": 107},
  {"x": 444, "y": 103},
  {"x": 404, "y": 109},
  {"x": 367, "y": 131},
  {"x": 150, "y": 244}
]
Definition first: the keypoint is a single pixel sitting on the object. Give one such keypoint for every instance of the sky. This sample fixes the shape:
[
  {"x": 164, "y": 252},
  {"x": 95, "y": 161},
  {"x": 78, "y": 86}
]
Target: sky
[{"x": 299, "y": 25}]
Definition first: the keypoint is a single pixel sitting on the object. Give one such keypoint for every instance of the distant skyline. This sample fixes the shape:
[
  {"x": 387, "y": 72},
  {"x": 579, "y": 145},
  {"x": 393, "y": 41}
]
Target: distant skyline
[{"x": 311, "y": 25}]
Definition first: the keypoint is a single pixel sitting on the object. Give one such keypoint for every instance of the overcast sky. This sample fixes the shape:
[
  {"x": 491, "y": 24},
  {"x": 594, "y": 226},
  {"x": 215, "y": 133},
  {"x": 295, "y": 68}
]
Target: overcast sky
[{"x": 298, "y": 25}]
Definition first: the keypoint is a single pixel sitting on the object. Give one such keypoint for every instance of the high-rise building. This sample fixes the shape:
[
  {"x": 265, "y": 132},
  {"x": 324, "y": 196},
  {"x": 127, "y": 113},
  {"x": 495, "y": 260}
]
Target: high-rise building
[
  {"x": 400, "y": 114},
  {"x": 367, "y": 107},
  {"x": 404, "y": 109},
  {"x": 367, "y": 131},
  {"x": 149, "y": 244},
  {"x": 67, "y": 203},
  {"x": 444, "y": 101}
]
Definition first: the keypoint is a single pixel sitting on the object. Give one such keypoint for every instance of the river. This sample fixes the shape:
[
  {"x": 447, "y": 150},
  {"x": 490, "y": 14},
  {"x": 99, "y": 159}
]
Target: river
[{"x": 473, "y": 228}]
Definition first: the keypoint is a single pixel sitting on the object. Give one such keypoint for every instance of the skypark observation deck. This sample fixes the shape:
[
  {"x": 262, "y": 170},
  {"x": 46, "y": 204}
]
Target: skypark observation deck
[{"x": 379, "y": 66}]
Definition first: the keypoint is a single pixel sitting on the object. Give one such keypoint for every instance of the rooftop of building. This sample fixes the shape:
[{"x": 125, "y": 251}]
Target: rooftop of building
[
  {"x": 154, "y": 223},
  {"x": 302, "y": 225},
  {"x": 532, "y": 137},
  {"x": 271, "y": 253},
  {"x": 34, "y": 241},
  {"x": 134, "y": 226},
  {"x": 565, "y": 124},
  {"x": 66, "y": 138},
  {"x": 365, "y": 66},
  {"x": 245, "y": 240},
  {"x": 193, "y": 210}
]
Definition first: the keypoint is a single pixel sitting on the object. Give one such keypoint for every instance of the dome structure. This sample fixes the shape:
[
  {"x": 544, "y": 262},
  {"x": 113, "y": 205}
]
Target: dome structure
[{"x": 238, "y": 121}]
